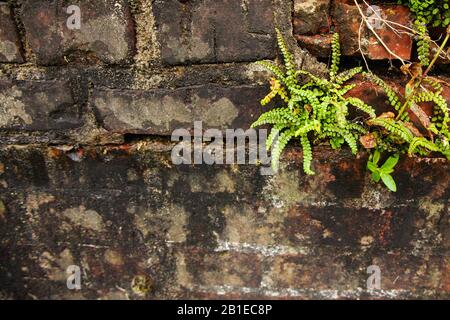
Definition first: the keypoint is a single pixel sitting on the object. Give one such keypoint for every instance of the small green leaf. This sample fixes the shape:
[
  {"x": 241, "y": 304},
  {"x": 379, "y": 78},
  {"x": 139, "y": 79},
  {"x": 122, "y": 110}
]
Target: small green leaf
[
  {"x": 386, "y": 171},
  {"x": 389, "y": 181},
  {"x": 376, "y": 156},
  {"x": 390, "y": 163},
  {"x": 376, "y": 176},
  {"x": 372, "y": 167}
]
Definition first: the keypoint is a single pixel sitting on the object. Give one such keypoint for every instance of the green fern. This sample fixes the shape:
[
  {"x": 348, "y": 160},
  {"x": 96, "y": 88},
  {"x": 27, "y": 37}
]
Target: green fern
[
  {"x": 423, "y": 43},
  {"x": 316, "y": 109},
  {"x": 393, "y": 97},
  {"x": 394, "y": 127},
  {"x": 307, "y": 154},
  {"x": 335, "y": 58},
  {"x": 421, "y": 142}
]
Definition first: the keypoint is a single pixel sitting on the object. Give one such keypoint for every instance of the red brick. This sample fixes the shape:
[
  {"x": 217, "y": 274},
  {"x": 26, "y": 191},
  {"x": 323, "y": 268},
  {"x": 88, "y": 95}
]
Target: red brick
[
  {"x": 347, "y": 21},
  {"x": 318, "y": 45},
  {"x": 400, "y": 44}
]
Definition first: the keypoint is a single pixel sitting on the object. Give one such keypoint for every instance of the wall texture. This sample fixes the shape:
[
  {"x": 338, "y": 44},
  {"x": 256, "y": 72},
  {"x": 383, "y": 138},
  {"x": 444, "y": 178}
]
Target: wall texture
[{"x": 86, "y": 177}]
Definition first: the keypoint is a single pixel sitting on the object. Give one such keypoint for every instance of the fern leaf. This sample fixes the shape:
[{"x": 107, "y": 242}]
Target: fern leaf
[
  {"x": 288, "y": 57},
  {"x": 279, "y": 146},
  {"x": 393, "y": 98},
  {"x": 394, "y": 127},
  {"x": 347, "y": 75},
  {"x": 421, "y": 142},
  {"x": 307, "y": 154},
  {"x": 335, "y": 56},
  {"x": 358, "y": 103},
  {"x": 274, "y": 69}
]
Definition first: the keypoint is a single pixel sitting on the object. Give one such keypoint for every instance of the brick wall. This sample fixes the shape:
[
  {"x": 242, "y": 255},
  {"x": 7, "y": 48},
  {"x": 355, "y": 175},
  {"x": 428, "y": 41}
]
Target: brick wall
[{"x": 86, "y": 177}]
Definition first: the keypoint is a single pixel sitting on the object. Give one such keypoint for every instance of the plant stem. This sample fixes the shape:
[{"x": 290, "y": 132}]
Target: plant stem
[{"x": 441, "y": 48}]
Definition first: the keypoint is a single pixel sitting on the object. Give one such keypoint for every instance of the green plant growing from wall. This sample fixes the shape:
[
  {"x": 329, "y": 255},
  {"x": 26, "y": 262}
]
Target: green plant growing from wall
[
  {"x": 396, "y": 133},
  {"x": 433, "y": 12},
  {"x": 314, "y": 111},
  {"x": 384, "y": 172}
]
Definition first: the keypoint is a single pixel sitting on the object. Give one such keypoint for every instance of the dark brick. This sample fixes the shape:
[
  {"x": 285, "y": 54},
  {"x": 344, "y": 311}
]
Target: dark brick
[
  {"x": 37, "y": 105},
  {"x": 199, "y": 267},
  {"x": 10, "y": 50},
  {"x": 106, "y": 32},
  {"x": 160, "y": 111},
  {"x": 311, "y": 17},
  {"x": 336, "y": 274},
  {"x": 209, "y": 31},
  {"x": 210, "y": 231}
]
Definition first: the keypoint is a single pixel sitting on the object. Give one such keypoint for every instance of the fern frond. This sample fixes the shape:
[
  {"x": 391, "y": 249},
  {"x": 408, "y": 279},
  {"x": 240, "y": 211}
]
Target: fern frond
[
  {"x": 418, "y": 142},
  {"x": 423, "y": 97},
  {"x": 347, "y": 75},
  {"x": 275, "y": 116},
  {"x": 356, "y": 127},
  {"x": 335, "y": 56},
  {"x": 436, "y": 85},
  {"x": 342, "y": 91},
  {"x": 440, "y": 101},
  {"x": 358, "y": 103},
  {"x": 305, "y": 95},
  {"x": 274, "y": 133},
  {"x": 279, "y": 146},
  {"x": 274, "y": 69},
  {"x": 287, "y": 56},
  {"x": 307, "y": 127},
  {"x": 351, "y": 141},
  {"x": 394, "y": 127},
  {"x": 393, "y": 98},
  {"x": 423, "y": 45},
  {"x": 307, "y": 154}
]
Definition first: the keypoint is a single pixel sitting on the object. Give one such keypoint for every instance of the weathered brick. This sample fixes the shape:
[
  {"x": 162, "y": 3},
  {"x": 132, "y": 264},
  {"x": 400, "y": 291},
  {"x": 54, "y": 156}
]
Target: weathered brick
[
  {"x": 400, "y": 271},
  {"x": 338, "y": 275},
  {"x": 106, "y": 32},
  {"x": 199, "y": 267},
  {"x": 311, "y": 17},
  {"x": 209, "y": 31},
  {"x": 160, "y": 111},
  {"x": 37, "y": 105},
  {"x": 245, "y": 236},
  {"x": 347, "y": 20},
  {"x": 332, "y": 271},
  {"x": 9, "y": 38},
  {"x": 318, "y": 45}
]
